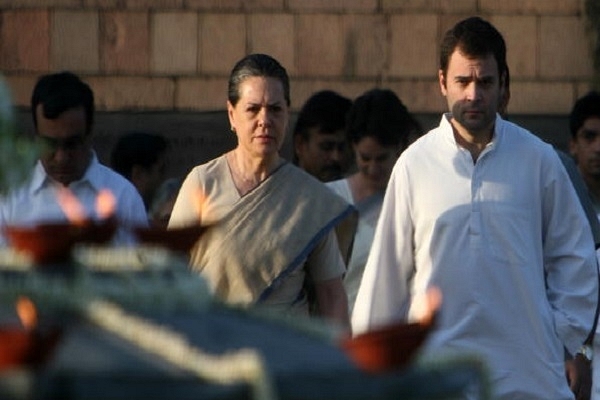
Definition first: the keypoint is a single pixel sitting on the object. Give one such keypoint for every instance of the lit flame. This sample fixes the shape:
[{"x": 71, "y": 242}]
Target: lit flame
[
  {"x": 71, "y": 206},
  {"x": 427, "y": 305},
  {"x": 105, "y": 204},
  {"x": 199, "y": 204},
  {"x": 27, "y": 312},
  {"x": 75, "y": 211}
]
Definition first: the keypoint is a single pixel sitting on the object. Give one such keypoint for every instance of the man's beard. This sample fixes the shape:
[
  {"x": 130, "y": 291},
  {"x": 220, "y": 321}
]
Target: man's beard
[{"x": 481, "y": 123}]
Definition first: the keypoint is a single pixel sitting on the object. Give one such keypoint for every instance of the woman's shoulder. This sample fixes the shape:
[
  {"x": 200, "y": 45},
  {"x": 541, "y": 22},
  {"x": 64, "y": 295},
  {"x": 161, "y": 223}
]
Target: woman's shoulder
[
  {"x": 213, "y": 169},
  {"x": 341, "y": 187}
]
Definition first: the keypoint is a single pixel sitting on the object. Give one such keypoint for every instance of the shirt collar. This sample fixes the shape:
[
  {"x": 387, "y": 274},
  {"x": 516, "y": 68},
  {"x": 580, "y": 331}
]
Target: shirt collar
[{"x": 40, "y": 178}]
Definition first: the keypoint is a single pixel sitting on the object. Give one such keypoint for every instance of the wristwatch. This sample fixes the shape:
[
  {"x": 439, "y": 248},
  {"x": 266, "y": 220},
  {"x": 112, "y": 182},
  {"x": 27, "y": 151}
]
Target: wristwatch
[{"x": 587, "y": 352}]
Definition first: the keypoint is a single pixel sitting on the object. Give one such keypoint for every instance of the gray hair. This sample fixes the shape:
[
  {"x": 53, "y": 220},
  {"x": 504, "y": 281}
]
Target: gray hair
[{"x": 256, "y": 65}]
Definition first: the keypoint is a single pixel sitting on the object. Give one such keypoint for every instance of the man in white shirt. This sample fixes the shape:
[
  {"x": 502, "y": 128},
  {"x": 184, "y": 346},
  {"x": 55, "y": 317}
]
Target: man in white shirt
[
  {"x": 485, "y": 211},
  {"x": 63, "y": 112}
]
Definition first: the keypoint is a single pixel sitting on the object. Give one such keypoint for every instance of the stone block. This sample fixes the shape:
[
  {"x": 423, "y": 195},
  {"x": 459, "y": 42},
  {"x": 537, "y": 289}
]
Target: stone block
[
  {"x": 533, "y": 97},
  {"x": 162, "y": 5},
  {"x": 174, "y": 42},
  {"x": 125, "y": 42},
  {"x": 21, "y": 88},
  {"x": 259, "y": 5},
  {"x": 544, "y": 7},
  {"x": 414, "y": 46},
  {"x": 564, "y": 48},
  {"x": 420, "y": 96},
  {"x": 201, "y": 94},
  {"x": 222, "y": 42},
  {"x": 103, "y": 4},
  {"x": 273, "y": 34},
  {"x": 368, "y": 50},
  {"x": 321, "y": 46},
  {"x": 429, "y": 6},
  {"x": 133, "y": 93},
  {"x": 45, "y": 4},
  {"x": 520, "y": 35},
  {"x": 74, "y": 40},
  {"x": 582, "y": 88},
  {"x": 25, "y": 40},
  {"x": 215, "y": 5},
  {"x": 236, "y": 5},
  {"x": 447, "y": 21},
  {"x": 332, "y": 5}
]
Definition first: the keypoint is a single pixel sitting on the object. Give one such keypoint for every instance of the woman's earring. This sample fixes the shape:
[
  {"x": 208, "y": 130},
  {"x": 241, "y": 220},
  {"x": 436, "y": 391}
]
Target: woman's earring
[{"x": 232, "y": 129}]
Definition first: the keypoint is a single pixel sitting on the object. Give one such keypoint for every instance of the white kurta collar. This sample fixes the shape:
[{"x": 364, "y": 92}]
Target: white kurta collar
[{"x": 448, "y": 132}]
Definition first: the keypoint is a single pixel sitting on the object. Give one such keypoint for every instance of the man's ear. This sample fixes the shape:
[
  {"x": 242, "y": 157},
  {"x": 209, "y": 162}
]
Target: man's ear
[
  {"x": 573, "y": 148},
  {"x": 442, "y": 81}
]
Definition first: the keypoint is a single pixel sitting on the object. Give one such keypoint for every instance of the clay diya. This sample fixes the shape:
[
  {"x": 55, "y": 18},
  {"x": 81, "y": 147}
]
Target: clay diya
[
  {"x": 388, "y": 348},
  {"x": 393, "y": 346},
  {"x": 27, "y": 344},
  {"x": 21, "y": 347},
  {"x": 51, "y": 243}
]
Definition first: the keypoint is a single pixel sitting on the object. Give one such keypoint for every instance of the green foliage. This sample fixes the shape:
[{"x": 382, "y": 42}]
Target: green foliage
[{"x": 17, "y": 154}]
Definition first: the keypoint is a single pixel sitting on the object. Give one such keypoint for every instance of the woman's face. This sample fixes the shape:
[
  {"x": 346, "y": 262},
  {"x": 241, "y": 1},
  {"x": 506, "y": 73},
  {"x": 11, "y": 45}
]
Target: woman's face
[
  {"x": 374, "y": 161},
  {"x": 260, "y": 117}
]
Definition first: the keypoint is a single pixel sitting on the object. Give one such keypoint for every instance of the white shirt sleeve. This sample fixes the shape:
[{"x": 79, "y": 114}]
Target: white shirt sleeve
[{"x": 383, "y": 295}]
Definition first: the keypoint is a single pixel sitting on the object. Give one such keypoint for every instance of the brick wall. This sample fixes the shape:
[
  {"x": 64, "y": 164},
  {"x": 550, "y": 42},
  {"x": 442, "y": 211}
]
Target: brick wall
[
  {"x": 175, "y": 55},
  {"x": 162, "y": 65}
]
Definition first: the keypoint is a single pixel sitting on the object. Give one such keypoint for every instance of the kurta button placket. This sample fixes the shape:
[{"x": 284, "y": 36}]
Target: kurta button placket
[
  {"x": 475, "y": 215},
  {"x": 475, "y": 220}
]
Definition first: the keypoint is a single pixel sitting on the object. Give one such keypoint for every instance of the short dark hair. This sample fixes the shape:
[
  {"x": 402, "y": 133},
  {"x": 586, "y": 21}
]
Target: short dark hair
[
  {"x": 584, "y": 108},
  {"x": 59, "y": 92},
  {"x": 261, "y": 65},
  {"x": 325, "y": 110},
  {"x": 136, "y": 148},
  {"x": 380, "y": 114},
  {"x": 474, "y": 37}
]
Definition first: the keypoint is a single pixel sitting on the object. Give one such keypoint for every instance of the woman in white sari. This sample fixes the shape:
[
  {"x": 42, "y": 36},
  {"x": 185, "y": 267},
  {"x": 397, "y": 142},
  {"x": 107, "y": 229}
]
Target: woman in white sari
[{"x": 379, "y": 128}]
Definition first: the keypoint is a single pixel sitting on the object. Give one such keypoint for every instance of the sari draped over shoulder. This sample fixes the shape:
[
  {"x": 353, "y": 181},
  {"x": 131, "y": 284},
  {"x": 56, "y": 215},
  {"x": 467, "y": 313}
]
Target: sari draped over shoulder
[{"x": 269, "y": 233}]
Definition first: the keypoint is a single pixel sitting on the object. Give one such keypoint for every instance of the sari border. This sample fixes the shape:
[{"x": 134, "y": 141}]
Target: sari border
[{"x": 296, "y": 262}]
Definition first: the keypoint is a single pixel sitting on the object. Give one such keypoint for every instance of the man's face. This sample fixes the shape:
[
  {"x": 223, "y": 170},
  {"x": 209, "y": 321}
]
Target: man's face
[
  {"x": 66, "y": 147},
  {"x": 326, "y": 156},
  {"x": 472, "y": 89},
  {"x": 585, "y": 147}
]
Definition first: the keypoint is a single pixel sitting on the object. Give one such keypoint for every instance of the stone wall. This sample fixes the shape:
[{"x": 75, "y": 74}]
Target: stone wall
[{"x": 173, "y": 56}]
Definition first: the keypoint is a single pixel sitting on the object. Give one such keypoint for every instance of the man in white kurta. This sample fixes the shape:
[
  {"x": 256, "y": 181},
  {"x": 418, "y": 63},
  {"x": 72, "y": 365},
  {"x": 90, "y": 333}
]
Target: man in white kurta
[{"x": 504, "y": 238}]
